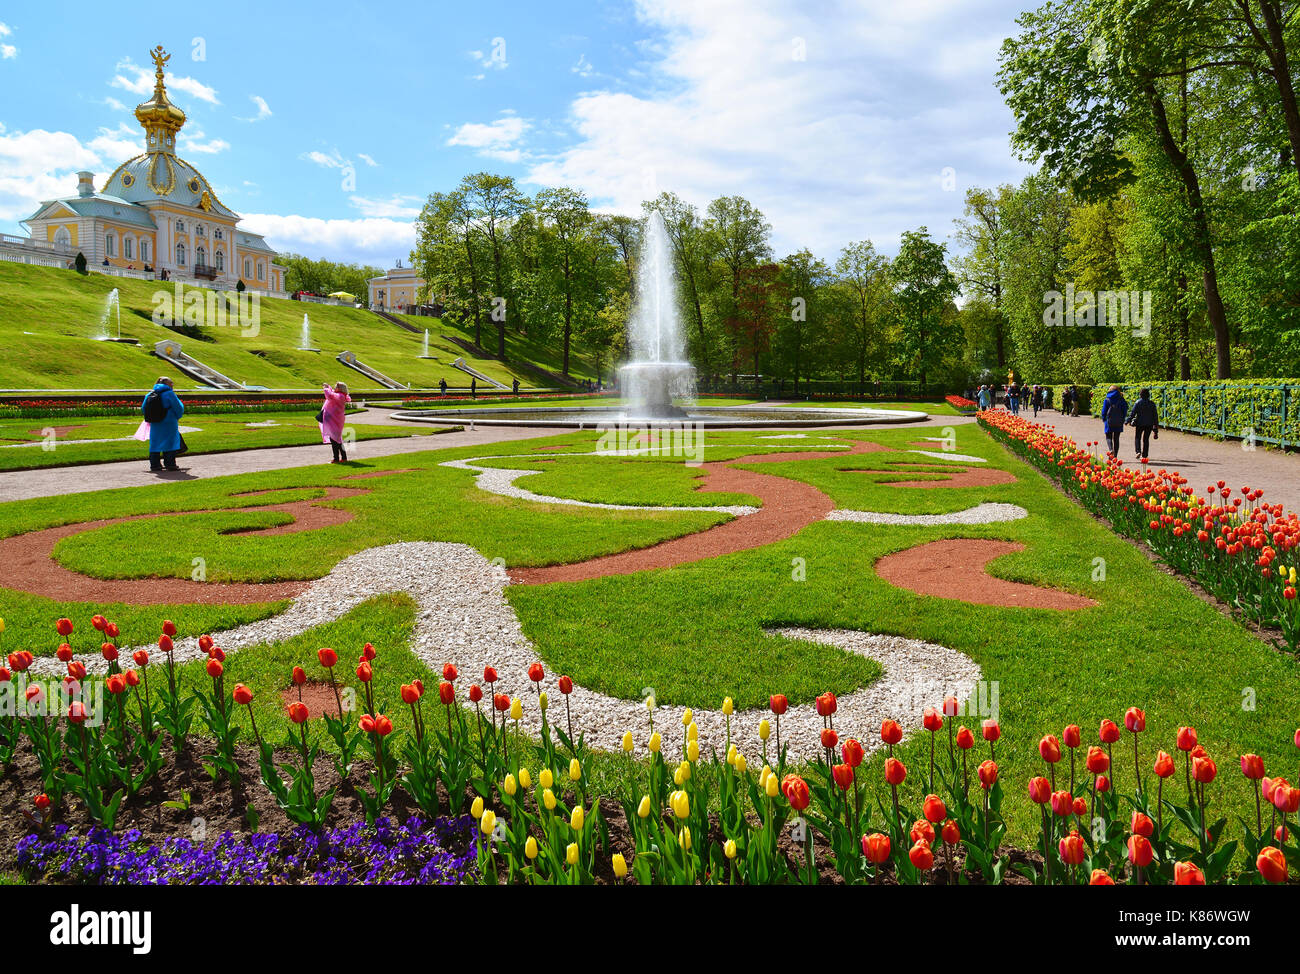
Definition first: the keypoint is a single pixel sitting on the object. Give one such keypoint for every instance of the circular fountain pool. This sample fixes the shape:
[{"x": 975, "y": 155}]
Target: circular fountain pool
[{"x": 721, "y": 417}]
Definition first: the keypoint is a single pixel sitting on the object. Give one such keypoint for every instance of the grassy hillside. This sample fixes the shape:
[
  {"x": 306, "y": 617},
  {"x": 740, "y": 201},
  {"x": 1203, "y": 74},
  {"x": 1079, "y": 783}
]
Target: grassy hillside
[{"x": 49, "y": 318}]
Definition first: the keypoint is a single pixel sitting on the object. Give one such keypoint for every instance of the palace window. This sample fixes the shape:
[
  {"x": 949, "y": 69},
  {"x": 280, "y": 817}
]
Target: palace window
[
  {"x": 62, "y": 238},
  {"x": 261, "y": 271},
  {"x": 248, "y": 269},
  {"x": 180, "y": 254},
  {"x": 201, "y": 230},
  {"x": 200, "y": 256},
  {"x": 110, "y": 248},
  {"x": 219, "y": 233},
  {"x": 221, "y": 260},
  {"x": 144, "y": 250},
  {"x": 180, "y": 226},
  {"x": 128, "y": 248}
]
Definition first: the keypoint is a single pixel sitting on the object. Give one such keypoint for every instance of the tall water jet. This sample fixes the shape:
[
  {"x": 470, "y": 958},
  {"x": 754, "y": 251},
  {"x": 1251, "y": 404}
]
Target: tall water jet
[
  {"x": 658, "y": 370},
  {"x": 425, "y": 353},
  {"x": 112, "y": 306},
  {"x": 304, "y": 343}
]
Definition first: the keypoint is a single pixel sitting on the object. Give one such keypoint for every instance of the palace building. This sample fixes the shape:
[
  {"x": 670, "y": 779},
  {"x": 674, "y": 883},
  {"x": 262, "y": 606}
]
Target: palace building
[
  {"x": 401, "y": 290},
  {"x": 156, "y": 216}
]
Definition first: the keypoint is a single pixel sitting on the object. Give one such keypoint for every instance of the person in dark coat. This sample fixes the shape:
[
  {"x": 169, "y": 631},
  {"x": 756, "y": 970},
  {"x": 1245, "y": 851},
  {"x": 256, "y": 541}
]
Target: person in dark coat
[
  {"x": 1145, "y": 420},
  {"x": 164, "y": 433},
  {"x": 1114, "y": 410}
]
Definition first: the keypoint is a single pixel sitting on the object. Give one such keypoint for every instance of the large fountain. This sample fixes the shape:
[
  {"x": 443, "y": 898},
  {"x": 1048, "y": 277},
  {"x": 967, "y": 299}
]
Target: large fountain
[{"x": 657, "y": 384}]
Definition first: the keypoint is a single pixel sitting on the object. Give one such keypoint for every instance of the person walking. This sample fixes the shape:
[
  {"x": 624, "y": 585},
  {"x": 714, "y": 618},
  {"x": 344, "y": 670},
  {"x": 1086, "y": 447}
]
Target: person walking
[
  {"x": 162, "y": 410},
  {"x": 1065, "y": 401},
  {"x": 442, "y": 387},
  {"x": 982, "y": 397},
  {"x": 1013, "y": 399},
  {"x": 1036, "y": 399},
  {"x": 473, "y": 388},
  {"x": 1114, "y": 410},
  {"x": 514, "y": 387},
  {"x": 331, "y": 419},
  {"x": 1145, "y": 420}
]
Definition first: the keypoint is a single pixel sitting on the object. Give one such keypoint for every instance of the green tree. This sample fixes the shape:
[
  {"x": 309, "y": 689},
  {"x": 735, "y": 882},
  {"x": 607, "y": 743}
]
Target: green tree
[
  {"x": 924, "y": 289},
  {"x": 863, "y": 278}
]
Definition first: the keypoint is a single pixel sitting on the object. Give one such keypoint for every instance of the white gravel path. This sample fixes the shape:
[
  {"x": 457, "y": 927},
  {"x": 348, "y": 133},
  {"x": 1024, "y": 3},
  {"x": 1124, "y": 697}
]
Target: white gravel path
[
  {"x": 463, "y": 617},
  {"x": 954, "y": 457},
  {"x": 980, "y": 514}
]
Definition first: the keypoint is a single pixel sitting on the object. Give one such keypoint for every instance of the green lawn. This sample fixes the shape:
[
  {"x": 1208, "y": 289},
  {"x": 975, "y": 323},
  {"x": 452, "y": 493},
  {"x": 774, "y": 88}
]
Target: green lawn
[
  {"x": 696, "y": 632},
  {"x": 49, "y": 317},
  {"x": 217, "y": 433}
]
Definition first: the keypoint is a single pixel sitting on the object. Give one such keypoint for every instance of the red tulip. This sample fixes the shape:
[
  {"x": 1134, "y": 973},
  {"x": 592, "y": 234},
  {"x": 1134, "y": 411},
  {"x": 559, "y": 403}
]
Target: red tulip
[
  {"x": 876, "y": 848},
  {"x": 1108, "y": 732},
  {"x": 1062, "y": 803},
  {"x": 890, "y": 732},
  {"x": 165, "y": 643},
  {"x": 843, "y": 775},
  {"x": 1102, "y": 783},
  {"x": 1100, "y": 878},
  {"x": 895, "y": 771},
  {"x": 214, "y": 668},
  {"x": 1072, "y": 848},
  {"x": 1097, "y": 761},
  {"x": 1072, "y": 736},
  {"x": 141, "y": 657},
  {"x": 826, "y": 705},
  {"x": 1252, "y": 766},
  {"x": 410, "y": 694},
  {"x": 922, "y": 831},
  {"x": 5, "y": 675},
  {"x": 64, "y": 653},
  {"x": 921, "y": 856},
  {"x": 364, "y": 672},
  {"x": 988, "y": 774},
  {"x": 1271, "y": 864},
  {"x": 1141, "y": 825},
  {"x": 950, "y": 706},
  {"x": 298, "y": 712},
  {"x": 1081, "y": 806},
  {"x": 1135, "y": 720},
  {"x": 1040, "y": 790},
  {"x": 1204, "y": 769},
  {"x": 77, "y": 712},
  {"x": 1049, "y": 749},
  {"x": 1164, "y": 766},
  {"x": 99, "y": 622},
  {"x": 501, "y": 701},
  {"x": 243, "y": 695},
  {"x": 951, "y": 833},
  {"x": 108, "y": 651},
  {"x": 1186, "y": 738},
  {"x": 77, "y": 670},
  {"x": 328, "y": 657},
  {"x": 536, "y": 673},
  {"x": 853, "y": 752},
  {"x": 116, "y": 683},
  {"x": 169, "y": 627},
  {"x": 965, "y": 739},
  {"x": 931, "y": 720},
  {"x": 934, "y": 809},
  {"x": 489, "y": 674},
  {"x": 42, "y": 802},
  {"x": 446, "y": 693},
  {"x": 796, "y": 792},
  {"x": 299, "y": 676},
  {"x": 778, "y": 703},
  {"x": 475, "y": 693},
  {"x": 205, "y": 641},
  {"x": 64, "y": 627},
  {"x": 111, "y": 630},
  {"x": 829, "y": 738},
  {"x": 217, "y": 653},
  {"x": 1140, "y": 852},
  {"x": 990, "y": 730},
  {"x": 1187, "y": 874},
  {"x": 566, "y": 685}
]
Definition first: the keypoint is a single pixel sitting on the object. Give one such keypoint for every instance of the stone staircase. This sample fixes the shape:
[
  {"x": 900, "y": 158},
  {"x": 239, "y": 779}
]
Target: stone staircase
[
  {"x": 351, "y": 361},
  {"x": 170, "y": 352}
]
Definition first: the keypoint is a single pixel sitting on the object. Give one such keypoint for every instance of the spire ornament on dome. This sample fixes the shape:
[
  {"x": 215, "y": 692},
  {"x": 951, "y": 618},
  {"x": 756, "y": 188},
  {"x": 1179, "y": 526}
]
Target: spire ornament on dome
[{"x": 160, "y": 118}]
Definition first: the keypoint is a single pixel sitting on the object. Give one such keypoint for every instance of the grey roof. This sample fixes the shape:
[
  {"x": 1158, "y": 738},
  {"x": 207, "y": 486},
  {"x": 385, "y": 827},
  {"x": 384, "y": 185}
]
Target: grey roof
[
  {"x": 102, "y": 205},
  {"x": 135, "y": 181}
]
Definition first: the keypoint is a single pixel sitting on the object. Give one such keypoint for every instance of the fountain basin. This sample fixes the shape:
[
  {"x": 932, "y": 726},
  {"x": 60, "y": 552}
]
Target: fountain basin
[{"x": 720, "y": 417}]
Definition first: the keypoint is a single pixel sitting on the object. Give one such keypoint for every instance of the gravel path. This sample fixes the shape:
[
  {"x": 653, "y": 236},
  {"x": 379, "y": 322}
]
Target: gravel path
[
  {"x": 980, "y": 514},
  {"x": 462, "y": 617}
]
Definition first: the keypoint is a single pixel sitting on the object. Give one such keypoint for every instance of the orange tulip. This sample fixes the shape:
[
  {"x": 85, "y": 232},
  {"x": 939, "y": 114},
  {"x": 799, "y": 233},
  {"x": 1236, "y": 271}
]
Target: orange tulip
[
  {"x": 1187, "y": 874},
  {"x": 1271, "y": 864},
  {"x": 934, "y": 809},
  {"x": 876, "y": 847}
]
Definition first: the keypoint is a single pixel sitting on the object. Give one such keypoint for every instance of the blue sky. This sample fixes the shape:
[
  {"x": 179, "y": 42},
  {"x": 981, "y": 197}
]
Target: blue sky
[{"x": 325, "y": 129}]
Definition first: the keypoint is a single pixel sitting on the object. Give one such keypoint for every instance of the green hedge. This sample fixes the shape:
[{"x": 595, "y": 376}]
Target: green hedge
[
  {"x": 1085, "y": 397},
  {"x": 1231, "y": 409}
]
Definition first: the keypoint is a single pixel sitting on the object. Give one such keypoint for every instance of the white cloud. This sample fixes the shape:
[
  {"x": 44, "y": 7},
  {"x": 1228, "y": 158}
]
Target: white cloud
[
  {"x": 371, "y": 240},
  {"x": 396, "y": 207},
  {"x": 138, "y": 80},
  {"x": 209, "y": 147},
  {"x": 114, "y": 104},
  {"x": 835, "y": 119},
  {"x": 583, "y": 68},
  {"x": 366, "y": 159},
  {"x": 331, "y": 160},
  {"x": 496, "y": 139},
  {"x": 8, "y": 51},
  {"x": 493, "y": 59},
  {"x": 38, "y": 165},
  {"x": 263, "y": 109}
]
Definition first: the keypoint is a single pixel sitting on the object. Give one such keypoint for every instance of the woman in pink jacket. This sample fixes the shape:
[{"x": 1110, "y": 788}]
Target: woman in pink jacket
[{"x": 331, "y": 419}]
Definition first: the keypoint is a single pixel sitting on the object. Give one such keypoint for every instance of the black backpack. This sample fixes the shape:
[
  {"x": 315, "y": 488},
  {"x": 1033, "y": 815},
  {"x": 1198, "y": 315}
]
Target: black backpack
[{"x": 155, "y": 410}]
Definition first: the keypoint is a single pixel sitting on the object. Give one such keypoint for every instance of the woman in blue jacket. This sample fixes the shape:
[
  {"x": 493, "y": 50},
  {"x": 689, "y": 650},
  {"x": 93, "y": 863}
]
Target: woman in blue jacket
[
  {"x": 1114, "y": 410},
  {"x": 164, "y": 427}
]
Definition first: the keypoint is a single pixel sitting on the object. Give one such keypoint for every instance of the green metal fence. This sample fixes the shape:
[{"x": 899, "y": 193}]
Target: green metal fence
[{"x": 1262, "y": 412}]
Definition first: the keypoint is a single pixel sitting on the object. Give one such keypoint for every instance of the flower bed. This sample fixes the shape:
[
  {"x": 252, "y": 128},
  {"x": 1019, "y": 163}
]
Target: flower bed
[
  {"x": 1240, "y": 549},
  {"x": 962, "y": 404},
  {"x": 678, "y": 817},
  {"x": 130, "y": 406}
]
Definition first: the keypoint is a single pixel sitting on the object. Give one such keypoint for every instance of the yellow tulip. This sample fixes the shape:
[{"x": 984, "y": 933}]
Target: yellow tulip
[
  {"x": 764, "y": 775},
  {"x": 678, "y": 778},
  {"x": 488, "y": 822},
  {"x": 476, "y": 809},
  {"x": 773, "y": 786},
  {"x": 2, "y": 622},
  {"x": 619, "y": 864},
  {"x": 575, "y": 770},
  {"x": 571, "y": 854},
  {"x": 732, "y": 751},
  {"x": 546, "y": 778},
  {"x": 525, "y": 779},
  {"x": 687, "y": 717},
  {"x": 740, "y": 764},
  {"x": 548, "y": 799},
  {"x": 643, "y": 809},
  {"x": 543, "y": 700},
  {"x": 693, "y": 751},
  {"x": 692, "y": 731},
  {"x": 728, "y": 707},
  {"x": 681, "y": 803},
  {"x": 576, "y": 819},
  {"x": 684, "y": 837},
  {"x": 729, "y": 849},
  {"x": 764, "y": 729},
  {"x": 509, "y": 785},
  {"x": 655, "y": 741},
  {"x": 530, "y": 848},
  {"x": 516, "y": 709},
  {"x": 650, "y": 702},
  {"x": 627, "y": 742}
]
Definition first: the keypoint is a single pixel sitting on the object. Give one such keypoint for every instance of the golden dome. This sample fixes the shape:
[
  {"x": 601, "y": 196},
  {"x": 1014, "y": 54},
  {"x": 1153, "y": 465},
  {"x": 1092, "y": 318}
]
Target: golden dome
[{"x": 160, "y": 118}]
